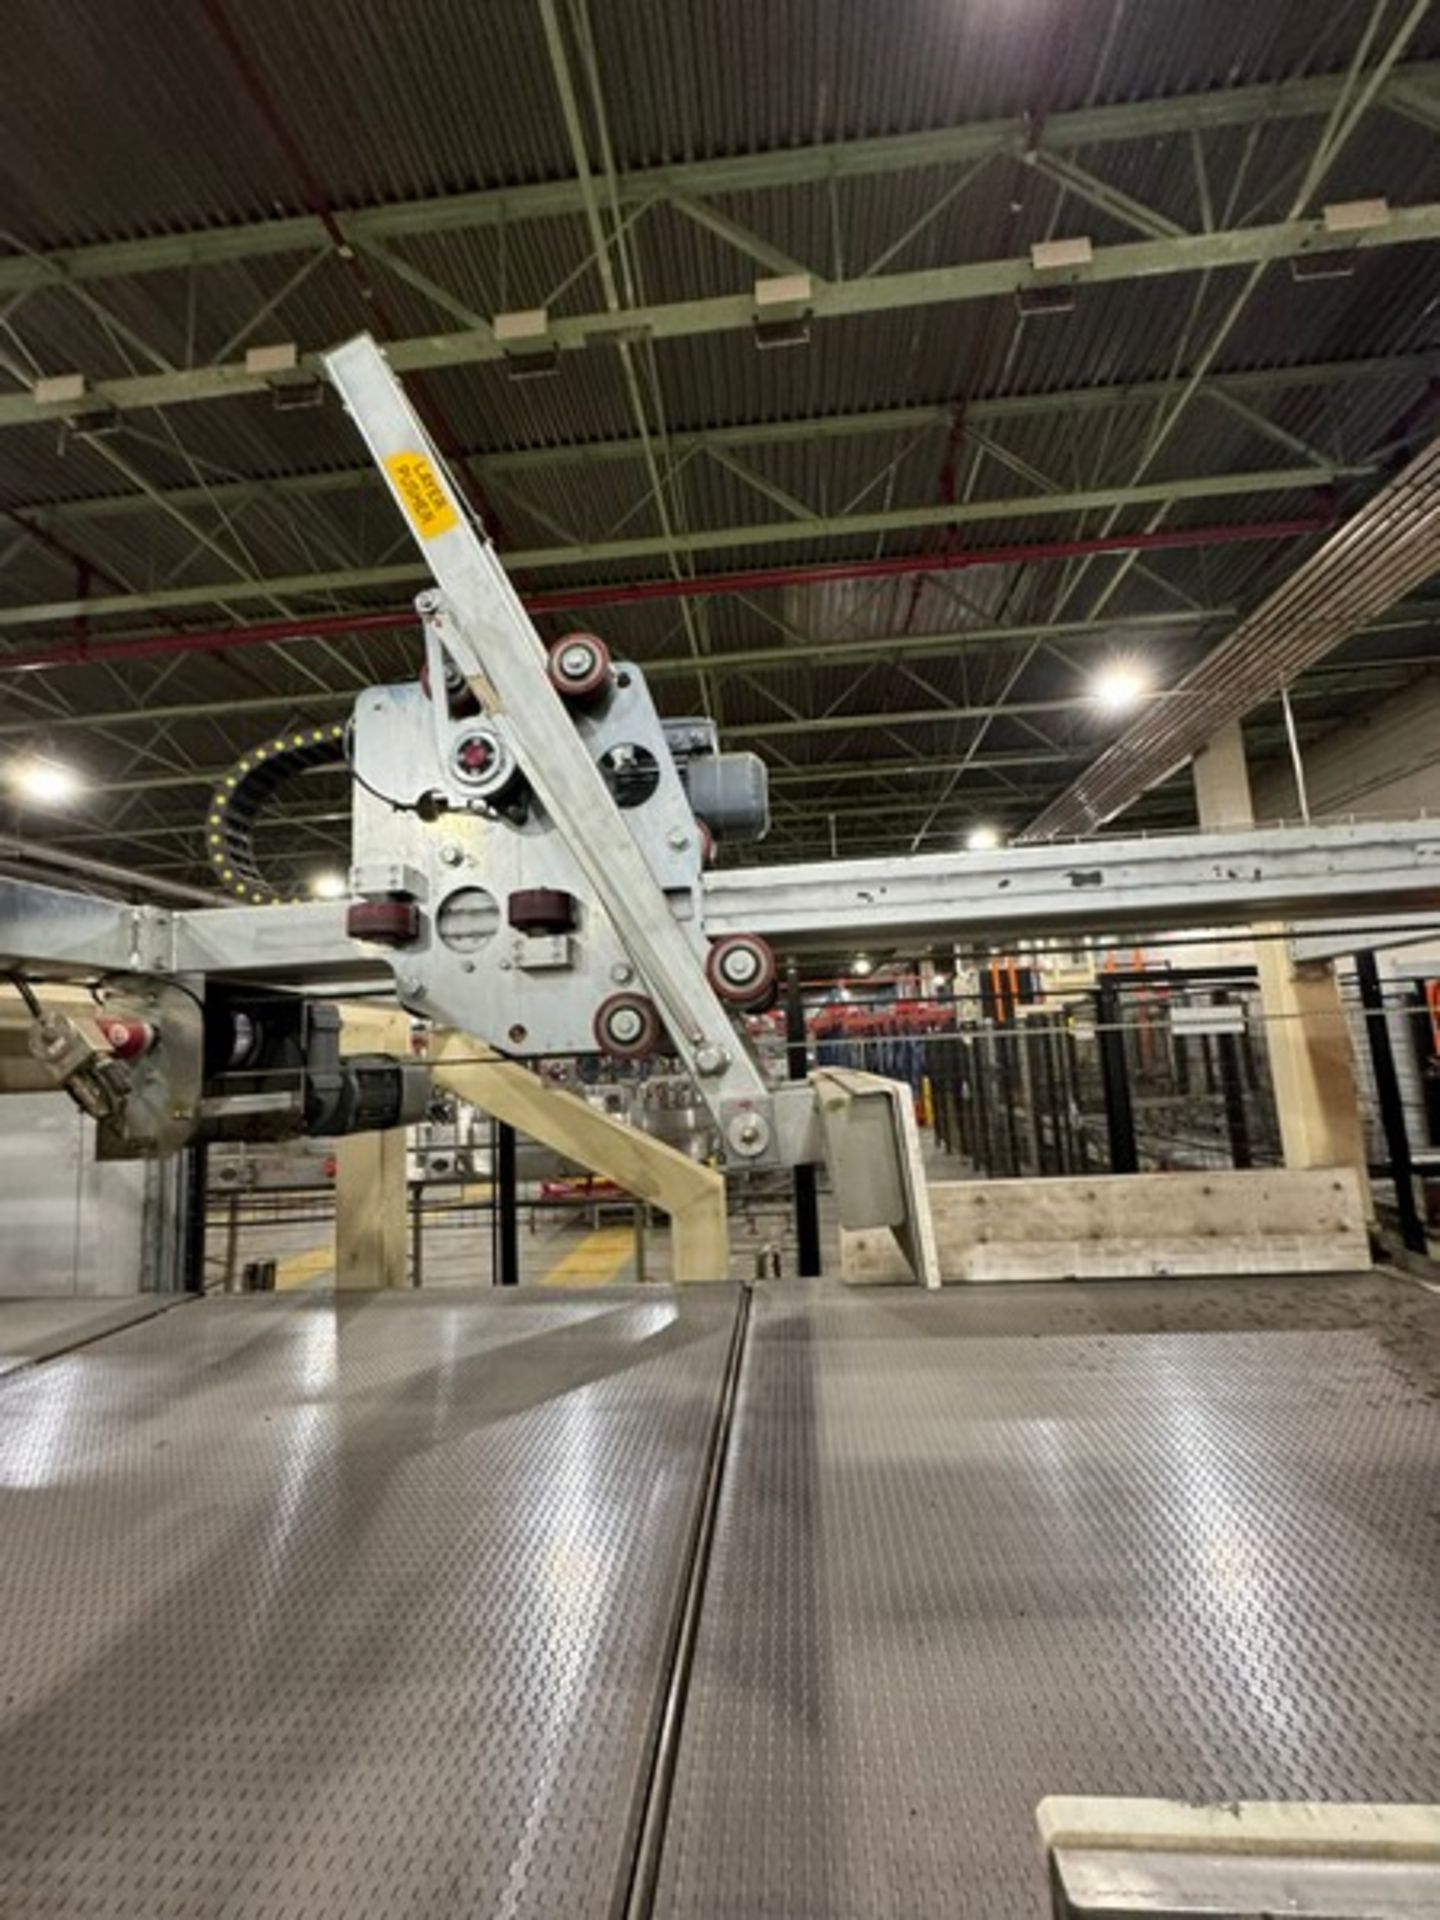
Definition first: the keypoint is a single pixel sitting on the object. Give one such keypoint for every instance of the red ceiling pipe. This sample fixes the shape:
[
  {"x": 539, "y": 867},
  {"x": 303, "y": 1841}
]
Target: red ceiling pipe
[
  {"x": 149, "y": 646},
  {"x": 572, "y": 599}
]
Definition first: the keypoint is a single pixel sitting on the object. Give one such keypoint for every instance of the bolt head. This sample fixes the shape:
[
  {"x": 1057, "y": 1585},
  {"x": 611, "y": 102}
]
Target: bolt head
[
  {"x": 740, "y": 965},
  {"x": 451, "y": 854},
  {"x": 748, "y": 1133},
  {"x": 710, "y": 1060},
  {"x": 621, "y": 974},
  {"x": 678, "y": 839},
  {"x": 626, "y": 1025}
]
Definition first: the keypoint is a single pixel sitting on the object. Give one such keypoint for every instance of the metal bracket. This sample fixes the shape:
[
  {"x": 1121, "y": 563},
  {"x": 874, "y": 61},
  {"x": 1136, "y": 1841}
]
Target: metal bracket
[{"x": 495, "y": 644}]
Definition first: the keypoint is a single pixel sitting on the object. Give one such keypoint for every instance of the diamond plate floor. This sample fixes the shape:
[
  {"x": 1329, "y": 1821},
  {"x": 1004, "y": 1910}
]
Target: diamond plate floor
[
  {"x": 964, "y": 1560},
  {"x": 35, "y": 1328},
  {"x": 316, "y": 1608}
]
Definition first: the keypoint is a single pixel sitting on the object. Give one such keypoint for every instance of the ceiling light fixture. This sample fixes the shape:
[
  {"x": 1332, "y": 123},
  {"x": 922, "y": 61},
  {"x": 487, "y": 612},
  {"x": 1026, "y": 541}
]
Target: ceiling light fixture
[
  {"x": 330, "y": 886},
  {"x": 1118, "y": 687},
  {"x": 982, "y": 839},
  {"x": 47, "y": 783},
  {"x": 863, "y": 965}
]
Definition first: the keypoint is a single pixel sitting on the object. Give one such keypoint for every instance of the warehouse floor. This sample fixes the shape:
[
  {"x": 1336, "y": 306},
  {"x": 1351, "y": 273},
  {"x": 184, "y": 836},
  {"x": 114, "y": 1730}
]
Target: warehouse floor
[{"x": 368, "y": 1605}]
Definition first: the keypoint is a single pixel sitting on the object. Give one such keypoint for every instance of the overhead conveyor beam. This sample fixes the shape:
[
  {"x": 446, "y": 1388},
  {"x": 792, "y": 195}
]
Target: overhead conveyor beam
[
  {"x": 1162, "y": 882},
  {"x": 1170, "y": 881}
]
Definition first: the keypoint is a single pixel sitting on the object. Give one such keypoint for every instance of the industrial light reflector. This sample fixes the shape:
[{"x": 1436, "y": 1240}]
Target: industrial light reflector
[{"x": 45, "y": 782}]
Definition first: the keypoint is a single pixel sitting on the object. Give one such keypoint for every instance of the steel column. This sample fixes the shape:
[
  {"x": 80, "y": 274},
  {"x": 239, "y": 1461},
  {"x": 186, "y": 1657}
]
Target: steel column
[
  {"x": 807, "y": 1204},
  {"x": 1389, "y": 1101},
  {"x": 507, "y": 1209},
  {"x": 1115, "y": 1078}
]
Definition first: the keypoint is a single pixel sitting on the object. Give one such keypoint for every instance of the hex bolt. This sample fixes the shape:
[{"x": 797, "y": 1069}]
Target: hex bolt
[
  {"x": 626, "y": 1025},
  {"x": 678, "y": 839},
  {"x": 740, "y": 966},
  {"x": 451, "y": 854},
  {"x": 710, "y": 1060},
  {"x": 621, "y": 974}
]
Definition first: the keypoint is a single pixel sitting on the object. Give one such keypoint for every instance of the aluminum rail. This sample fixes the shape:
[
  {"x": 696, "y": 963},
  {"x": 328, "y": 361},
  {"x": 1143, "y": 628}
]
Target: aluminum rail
[
  {"x": 1169, "y": 882},
  {"x": 1165, "y": 883}
]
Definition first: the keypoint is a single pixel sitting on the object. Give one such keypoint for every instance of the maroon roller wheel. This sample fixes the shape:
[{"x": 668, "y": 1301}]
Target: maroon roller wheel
[
  {"x": 627, "y": 1026},
  {"x": 741, "y": 969},
  {"x": 385, "y": 923},
  {"x": 579, "y": 668},
  {"x": 707, "y": 844},
  {"x": 541, "y": 910}
]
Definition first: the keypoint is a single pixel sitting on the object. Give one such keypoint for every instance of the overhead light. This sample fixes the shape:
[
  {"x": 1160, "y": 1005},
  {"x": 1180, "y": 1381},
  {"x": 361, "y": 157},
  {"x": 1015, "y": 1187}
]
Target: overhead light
[
  {"x": 330, "y": 886},
  {"x": 1118, "y": 687},
  {"x": 46, "y": 782},
  {"x": 982, "y": 839},
  {"x": 862, "y": 965}
]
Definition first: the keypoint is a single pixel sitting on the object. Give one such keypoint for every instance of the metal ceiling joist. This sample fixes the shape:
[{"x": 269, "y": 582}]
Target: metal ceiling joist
[
  {"x": 402, "y": 574},
  {"x": 739, "y": 173},
  {"x": 1229, "y": 388},
  {"x": 735, "y": 313},
  {"x": 1386, "y": 550},
  {"x": 798, "y": 655},
  {"x": 1363, "y": 675}
]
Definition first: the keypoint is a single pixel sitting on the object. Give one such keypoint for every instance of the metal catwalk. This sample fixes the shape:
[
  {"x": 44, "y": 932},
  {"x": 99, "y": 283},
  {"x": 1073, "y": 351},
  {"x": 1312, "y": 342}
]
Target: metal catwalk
[{"x": 379, "y": 1608}]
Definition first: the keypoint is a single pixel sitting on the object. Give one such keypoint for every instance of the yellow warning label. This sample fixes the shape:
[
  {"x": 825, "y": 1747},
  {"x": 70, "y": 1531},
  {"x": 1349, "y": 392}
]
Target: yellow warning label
[{"x": 422, "y": 492}]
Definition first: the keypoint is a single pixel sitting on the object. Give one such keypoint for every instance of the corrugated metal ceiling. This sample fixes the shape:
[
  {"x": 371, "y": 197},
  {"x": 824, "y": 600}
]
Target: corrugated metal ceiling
[{"x": 128, "y": 120}]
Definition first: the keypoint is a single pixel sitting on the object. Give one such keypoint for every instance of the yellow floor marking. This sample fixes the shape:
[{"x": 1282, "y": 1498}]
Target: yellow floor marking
[
  {"x": 596, "y": 1261},
  {"x": 304, "y": 1269}
]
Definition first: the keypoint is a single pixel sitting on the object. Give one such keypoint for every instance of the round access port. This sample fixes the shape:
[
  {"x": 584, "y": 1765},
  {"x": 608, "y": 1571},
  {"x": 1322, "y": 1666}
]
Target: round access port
[
  {"x": 632, "y": 774},
  {"x": 467, "y": 919}
]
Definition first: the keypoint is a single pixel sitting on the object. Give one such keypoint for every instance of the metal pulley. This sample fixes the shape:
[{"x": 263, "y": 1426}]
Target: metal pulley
[
  {"x": 481, "y": 761},
  {"x": 579, "y": 669},
  {"x": 741, "y": 969},
  {"x": 627, "y": 1026}
]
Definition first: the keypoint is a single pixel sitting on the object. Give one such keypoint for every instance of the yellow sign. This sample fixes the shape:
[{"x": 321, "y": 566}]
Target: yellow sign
[{"x": 422, "y": 493}]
